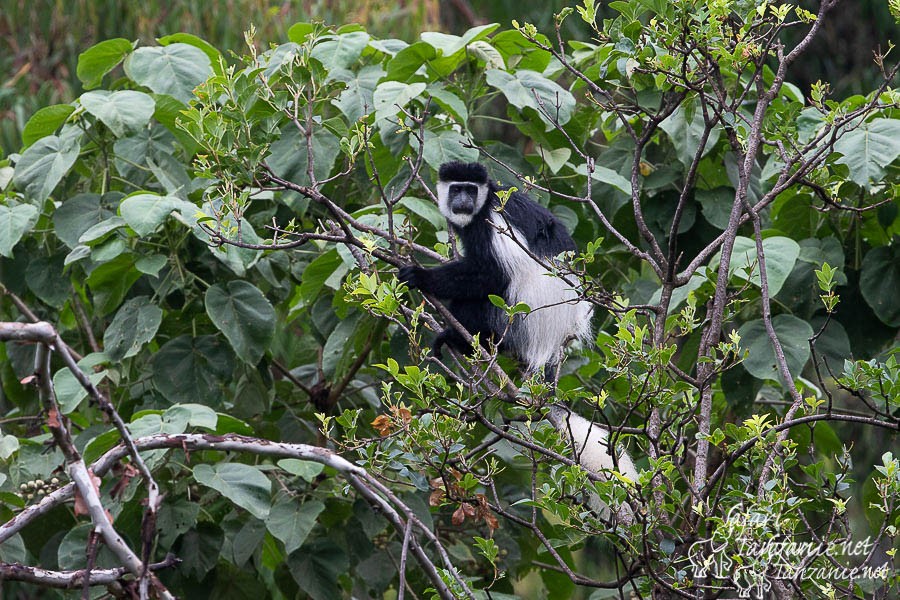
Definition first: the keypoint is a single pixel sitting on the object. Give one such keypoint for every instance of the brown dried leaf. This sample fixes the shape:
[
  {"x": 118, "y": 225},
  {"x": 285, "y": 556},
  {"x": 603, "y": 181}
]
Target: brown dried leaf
[
  {"x": 459, "y": 516},
  {"x": 382, "y": 424},
  {"x": 436, "y": 497}
]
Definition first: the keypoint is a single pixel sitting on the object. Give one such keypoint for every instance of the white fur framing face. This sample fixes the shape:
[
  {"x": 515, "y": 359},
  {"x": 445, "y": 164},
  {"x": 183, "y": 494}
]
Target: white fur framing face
[{"x": 460, "y": 220}]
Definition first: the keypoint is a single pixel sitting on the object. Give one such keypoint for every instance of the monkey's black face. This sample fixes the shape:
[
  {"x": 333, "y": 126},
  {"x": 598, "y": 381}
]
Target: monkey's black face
[
  {"x": 460, "y": 201},
  {"x": 463, "y": 198}
]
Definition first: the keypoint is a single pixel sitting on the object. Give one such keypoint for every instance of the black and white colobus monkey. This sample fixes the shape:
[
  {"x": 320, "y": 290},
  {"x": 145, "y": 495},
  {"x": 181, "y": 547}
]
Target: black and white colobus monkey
[
  {"x": 498, "y": 249},
  {"x": 496, "y": 262}
]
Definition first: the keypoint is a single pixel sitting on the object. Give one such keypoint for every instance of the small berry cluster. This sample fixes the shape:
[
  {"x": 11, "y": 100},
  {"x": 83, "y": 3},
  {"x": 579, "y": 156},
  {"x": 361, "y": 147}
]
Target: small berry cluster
[{"x": 37, "y": 488}]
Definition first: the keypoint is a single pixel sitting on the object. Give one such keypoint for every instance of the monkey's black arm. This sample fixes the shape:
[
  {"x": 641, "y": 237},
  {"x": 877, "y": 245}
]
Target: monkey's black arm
[{"x": 457, "y": 280}]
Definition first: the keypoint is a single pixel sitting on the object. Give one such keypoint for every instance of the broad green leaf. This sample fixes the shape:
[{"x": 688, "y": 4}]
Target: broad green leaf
[
  {"x": 793, "y": 333},
  {"x": 879, "y": 283},
  {"x": 449, "y": 45},
  {"x": 524, "y": 89},
  {"x": 134, "y": 325},
  {"x": 199, "y": 549},
  {"x": 290, "y": 521},
  {"x": 390, "y": 96},
  {"x": 145, "y": 212},
  {"x": 339, "y": 346},
  {"x": 193, "y": 369},
  {"x": 716, "y": 205},
  {"x": 488, "y": 54},
  {"x": 46, "y": 279},
  {"x": 244, "y": 485},
  {"x": 240, "y": 311},
  {"x": 607, "y": 176},
  {"x": 45, "y": 122},
  {"x": 425, "y": 209},
  {"x": 110, "y": 282},
  {"x": 8, "y": 446},
  {"x": 69, "y": 392},
  {"x": 100, "y": 59},
  {"x": 340, "y": 51},
  {"x": 316, "y": 569},
  {"x": 357, "y": 100},
  {"x": 175, "y": 69},
  {"x": 76, "y": 215},
  {"x": 868, "y": 149},
  {"x": 151, "y": 265},
  {"x": 15, "y": 221},
  {"x": 288, "y": 155},
  {"x": 121, "y": 111},
  {"x": 686, "y": 136},
  {"x": 555, "y": 159},
  {"x": 781, "y": 254},
  {"x": 450, "y": 103},
  {"x": 408, "y": 61},
  {"x": 209, "y": 50},
  {"x": 193, "y": 415},
  {"x": 306, "y": 469},
  {"x": 45, "y": 162},
  {"x": 176, "y": 516},
  {"x": 298, "y": 31},
  {"x": 316, "y": 273},
  {"x": 445, "y": 146},
  {"x": 70, "y": 549},
  {"x": 96, "y": 233}
]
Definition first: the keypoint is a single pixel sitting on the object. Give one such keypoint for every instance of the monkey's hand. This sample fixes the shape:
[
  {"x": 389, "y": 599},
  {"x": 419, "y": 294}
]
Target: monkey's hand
[{"x": 412, "y": 276}]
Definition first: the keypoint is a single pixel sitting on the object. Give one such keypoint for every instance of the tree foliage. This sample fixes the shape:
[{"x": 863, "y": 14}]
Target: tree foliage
[{"x": 208, "y": 350}]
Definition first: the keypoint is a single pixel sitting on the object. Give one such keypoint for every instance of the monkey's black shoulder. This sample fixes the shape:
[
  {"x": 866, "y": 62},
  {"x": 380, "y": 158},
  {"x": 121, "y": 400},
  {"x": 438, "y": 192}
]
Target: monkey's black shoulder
[
  {"x": 460, "y": 171},
  {"x": 545, "y": 234}
]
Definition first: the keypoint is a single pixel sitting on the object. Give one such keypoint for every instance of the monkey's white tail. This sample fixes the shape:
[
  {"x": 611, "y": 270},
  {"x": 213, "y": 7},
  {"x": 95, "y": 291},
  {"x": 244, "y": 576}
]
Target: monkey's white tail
[{"x": 593, "y": 452}]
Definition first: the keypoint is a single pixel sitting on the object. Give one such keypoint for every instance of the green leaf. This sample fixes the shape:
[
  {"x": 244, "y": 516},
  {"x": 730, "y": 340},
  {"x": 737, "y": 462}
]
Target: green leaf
[
  {"x": 357, "y": 99},
  {"x": 390, "y": 96},
  {"x": 607, "y": 176},
  {"x": 15, "y": 221},
  {"x": 192, "y": 369},
  {"x": 793, "y": 333},
  {"x": 100, "y": 59},
  {"x": 145, "y": 212},
  {"x": 45, "y": 162},
  {"x": 46, "y": 279},
  {"x": 244, "y": 315},
  {"x": 868, "y": 149},
  {"x": 448, "y": 44},
  {"x": 110, "y": 281},
  {"x": 96, "y": 233},
  {"x": 781, "y": 255},
  {"x": 556, "y": 159},
  {"x": 408, "y": 61},
  {"x": 450, "y": 103},
  {"x": 45, "y": 122},
  {"x": 879, "y": 282},
  {"x": 290, "y": 521},
  {"x": 175, "y": 69},
  {"x": 524, "y": 88},
  {"x": 306, "y": 469},
  {"x": 288, "y": 156},
  {"x": 425, "y": 209},
  {"x": 69, "y": 392},
  {"x": 298, "y": 32},
  {"x": 121, "y": 111},
  {"x": 245, "y": 485},
  {"x": 134, "y": 325},
  {"x": 208, "y": 49},
  {"x": 686, "y": 136},
  {"x": 445, "y": 146},
  {"x": 317, "y": 568},
  {"x": 316, "y": 273},
  {"x": 76, "y": 215},
  {"x": 340, "y": 51}
]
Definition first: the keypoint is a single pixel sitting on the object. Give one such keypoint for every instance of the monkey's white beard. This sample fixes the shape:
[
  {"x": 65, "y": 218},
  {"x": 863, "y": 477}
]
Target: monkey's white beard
[
  {"x": 591, "y": 443},
  {"x": 556, "y": 313}
]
